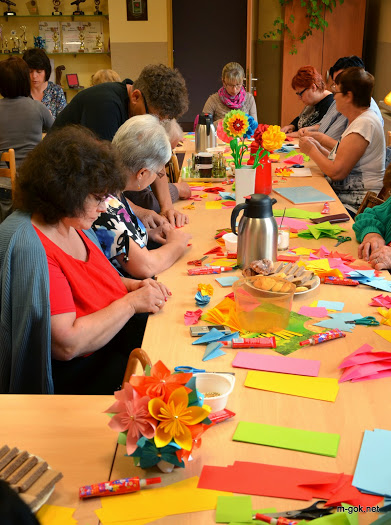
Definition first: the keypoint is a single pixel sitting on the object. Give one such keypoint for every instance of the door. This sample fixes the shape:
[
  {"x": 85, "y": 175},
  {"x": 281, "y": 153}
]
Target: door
[{"x": 207, "y": 35}]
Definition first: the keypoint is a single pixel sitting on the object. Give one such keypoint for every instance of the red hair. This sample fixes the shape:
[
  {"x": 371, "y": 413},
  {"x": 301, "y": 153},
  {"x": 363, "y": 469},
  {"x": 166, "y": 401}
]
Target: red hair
[{"x": 306, "y": 76}]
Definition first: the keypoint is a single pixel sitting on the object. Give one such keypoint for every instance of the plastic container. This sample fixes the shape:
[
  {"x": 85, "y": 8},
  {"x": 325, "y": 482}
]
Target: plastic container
[
  {"x": 259, "y": 310},
  {"x": 221, "y": 384},
  {"x": 231, "y": 242}
]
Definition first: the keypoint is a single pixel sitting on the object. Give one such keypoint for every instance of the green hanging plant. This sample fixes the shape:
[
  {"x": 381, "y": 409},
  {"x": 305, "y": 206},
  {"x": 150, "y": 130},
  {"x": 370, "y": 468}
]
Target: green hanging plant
[{"x": 315, "y": 11}]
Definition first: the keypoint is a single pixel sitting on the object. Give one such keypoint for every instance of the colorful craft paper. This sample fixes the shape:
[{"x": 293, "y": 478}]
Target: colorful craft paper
[
  {"x": 213, "y": 350},
  {"x": 276, "y": 363},
  {"x": 303, "y": 195},
  {"x": 292, "y": 223},
  {"x": 212, "y": 335},
  {"x": 191, "y": 317},
  {"x": 373, "y": 473},
  {"x": 201, "y": 300},
  {"x": 385, "y": 334},
  {"x": 301, "y": 172},
  {"x": 213, "y": 205},
  {"x": 331, "y": 305},
  {"x": 297, "y": 213},
  {"x": 49, "y": 514},
  {"x": 233, "y": 508},
  {"x": 227, "y": 281},
  {"x": 323, "y": 388},
  {"x": 313, "y": 311},
  {"x": 322, "y": 443},
  {"x": 323, "y": 229},
  {"x": 177, "y": 498},
  {"x": 336, "y": 323},
  {"x": 294, "y": 159},
  {"x": 381, "y": 300},
  {"x": 215, "y": 251}
]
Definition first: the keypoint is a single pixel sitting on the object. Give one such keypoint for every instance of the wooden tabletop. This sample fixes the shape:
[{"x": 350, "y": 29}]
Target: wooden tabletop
[
  {"x": 71, "y": 434},
  {"x": 359, "y": 406}
]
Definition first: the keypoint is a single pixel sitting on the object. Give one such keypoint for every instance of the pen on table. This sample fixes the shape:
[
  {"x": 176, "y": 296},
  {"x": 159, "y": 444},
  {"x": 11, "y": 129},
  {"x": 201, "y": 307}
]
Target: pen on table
[{"x": 118, "y": 486}]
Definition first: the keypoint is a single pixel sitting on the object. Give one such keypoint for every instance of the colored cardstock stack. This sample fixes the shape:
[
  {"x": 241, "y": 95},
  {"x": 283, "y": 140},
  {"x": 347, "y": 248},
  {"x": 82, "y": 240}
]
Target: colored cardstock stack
[
  {"x": 373, "y": 472},
  {"x": 323, "y": 388},
  {"x": 276, "y": 363},
  {"x": 261, "y": 479},
  {"x": 322, "y": 443},
  {"x": 364, "y": 364}
]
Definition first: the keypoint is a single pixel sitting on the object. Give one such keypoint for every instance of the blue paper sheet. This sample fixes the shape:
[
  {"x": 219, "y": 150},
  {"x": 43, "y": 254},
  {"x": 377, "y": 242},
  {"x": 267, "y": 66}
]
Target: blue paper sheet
[
  {"x": 201, "y": 300},
  {"x": 227, "y": 281},
  {"x": 212, "y": 351},
  {"x": 373, "y": 472},
  {"x": 335, "y": 323},
  {"x": 303, "y": 195},
  {"x": 345, "y": 316},
  {"x": 331, "y": 305},
  {"x": 213, "y": 335}
]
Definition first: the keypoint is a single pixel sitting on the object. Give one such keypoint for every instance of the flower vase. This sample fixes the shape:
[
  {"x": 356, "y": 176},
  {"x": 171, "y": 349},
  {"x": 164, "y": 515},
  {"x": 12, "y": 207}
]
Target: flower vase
[
  {"x": 263, "y": 178},
  {"x": 165, "y": 466},
  {"x": 244, "y": 183}
]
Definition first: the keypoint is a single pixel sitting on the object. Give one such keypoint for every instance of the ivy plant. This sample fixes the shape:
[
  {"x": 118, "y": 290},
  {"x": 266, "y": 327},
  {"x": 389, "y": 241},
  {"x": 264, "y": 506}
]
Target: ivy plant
[{"x": 315, "y": 15}]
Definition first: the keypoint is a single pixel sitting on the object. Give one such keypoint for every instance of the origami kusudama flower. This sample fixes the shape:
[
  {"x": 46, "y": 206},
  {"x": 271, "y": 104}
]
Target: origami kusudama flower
[
  {"x": 259, "y": 132},
  {"x": 151, "y": 455},
  {"x": 196, "y": 433},
  {"x": 132, "y": 416},
  {"x": 206, "y": 289},
  {"x": 161, "y": 383},
  {"x": 273, "y": 138},
  {"x": 221, "y": 133},
  {"x": 252, "y": 126},
  {"x": 235, "y": 123},
  {"x": 175, "y": 417}
]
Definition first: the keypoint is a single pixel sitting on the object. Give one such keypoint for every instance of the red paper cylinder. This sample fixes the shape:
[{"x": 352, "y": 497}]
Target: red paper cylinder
[{"x": 263, "y": 178}]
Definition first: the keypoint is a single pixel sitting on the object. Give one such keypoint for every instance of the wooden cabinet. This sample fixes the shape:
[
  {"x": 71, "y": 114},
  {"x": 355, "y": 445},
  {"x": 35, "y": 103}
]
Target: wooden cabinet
[{"x": 343, "y": 37}]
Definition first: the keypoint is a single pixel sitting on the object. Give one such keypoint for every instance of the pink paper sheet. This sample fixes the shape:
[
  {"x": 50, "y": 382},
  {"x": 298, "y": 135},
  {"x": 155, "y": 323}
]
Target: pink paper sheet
[
  {"x": 295, "y": 224},
  {"x": 276, "y": 363},
  {"x": 313, "y": 311},
  {"x": 296, "y": 159},
  {"x": 192, "y": 317}
]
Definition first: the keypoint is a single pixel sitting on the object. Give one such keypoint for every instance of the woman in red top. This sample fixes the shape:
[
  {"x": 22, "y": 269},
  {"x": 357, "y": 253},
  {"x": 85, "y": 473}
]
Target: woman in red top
[{"x": 94, "y": 323}]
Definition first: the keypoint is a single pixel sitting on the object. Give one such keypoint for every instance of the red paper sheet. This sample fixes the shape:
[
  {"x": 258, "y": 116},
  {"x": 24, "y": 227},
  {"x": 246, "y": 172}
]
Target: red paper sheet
[{"x": 288, "y": 258}]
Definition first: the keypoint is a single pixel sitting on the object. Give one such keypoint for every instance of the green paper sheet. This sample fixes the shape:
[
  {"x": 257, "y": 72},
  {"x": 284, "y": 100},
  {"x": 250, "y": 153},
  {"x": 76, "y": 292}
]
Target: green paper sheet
[
  {"x": 322, "y": 443},
  {"x": 324, "y": 229},
  {"x": 237, "y": 508},
  {"x": 296, "y": 213}
]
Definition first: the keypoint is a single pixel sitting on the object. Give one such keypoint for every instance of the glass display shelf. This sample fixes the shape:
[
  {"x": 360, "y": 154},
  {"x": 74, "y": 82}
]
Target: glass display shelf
[{"x": 64, "y": 15}]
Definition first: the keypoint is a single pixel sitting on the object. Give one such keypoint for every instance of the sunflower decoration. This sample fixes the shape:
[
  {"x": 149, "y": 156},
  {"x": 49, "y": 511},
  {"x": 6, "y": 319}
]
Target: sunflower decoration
[
  {"x": 266, "y": 139},
  {"x": 237, "y": 126}
]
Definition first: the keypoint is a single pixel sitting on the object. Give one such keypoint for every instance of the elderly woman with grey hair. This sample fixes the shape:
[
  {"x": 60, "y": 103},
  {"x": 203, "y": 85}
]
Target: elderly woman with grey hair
[{"x": 144, "y": 149}]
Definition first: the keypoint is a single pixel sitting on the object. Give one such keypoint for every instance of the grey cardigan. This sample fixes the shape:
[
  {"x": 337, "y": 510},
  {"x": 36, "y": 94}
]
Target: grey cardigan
[{"x": 25, "y": 330}]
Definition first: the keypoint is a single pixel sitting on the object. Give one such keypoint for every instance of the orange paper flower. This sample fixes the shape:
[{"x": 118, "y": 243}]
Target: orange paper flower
[
  {"x": 175, "y": 417},
  {"x": 205, "y": 289},
  {"x": 160, "y": 383},
  {"x": 272, "y": 138}
]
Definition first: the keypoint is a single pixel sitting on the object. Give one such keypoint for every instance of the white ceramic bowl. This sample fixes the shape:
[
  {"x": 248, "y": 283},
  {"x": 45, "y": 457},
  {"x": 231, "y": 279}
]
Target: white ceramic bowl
[
  {"x": 212, "y": 382},
  {"x": 231, "y": 242}
]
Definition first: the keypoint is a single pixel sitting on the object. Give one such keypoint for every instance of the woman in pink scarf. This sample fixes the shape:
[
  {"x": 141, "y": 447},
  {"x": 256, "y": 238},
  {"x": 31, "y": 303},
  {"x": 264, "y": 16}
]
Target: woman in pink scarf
[{"x": 232, "y": 95}]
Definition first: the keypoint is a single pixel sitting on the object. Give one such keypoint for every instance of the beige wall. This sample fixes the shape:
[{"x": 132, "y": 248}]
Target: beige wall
[{"x": 135, "y": 44}]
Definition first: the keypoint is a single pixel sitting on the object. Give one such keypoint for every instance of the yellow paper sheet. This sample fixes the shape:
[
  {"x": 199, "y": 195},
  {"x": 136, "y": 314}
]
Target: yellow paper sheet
[
  {"x": 104, "y": 521},
  {"x": 323, "y": 388},
  {"x": 223, "y": 262},
  {"x": 386, "y": 334},
  {"x": 317, "y": 265},
  {"x": 314, "y": 303},
  {"x": 49, "y": 514},
  {"x": 302, "y": 251},
  {"x": 178, "y": 498},
  {"x": 213, "y": 205}
]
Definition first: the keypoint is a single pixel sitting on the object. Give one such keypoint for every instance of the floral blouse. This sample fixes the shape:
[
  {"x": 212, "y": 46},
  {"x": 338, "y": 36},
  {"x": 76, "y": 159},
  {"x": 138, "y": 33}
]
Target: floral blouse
[
  {"x": 54, "y": 98},
  {"x": 117, "y": 227}
]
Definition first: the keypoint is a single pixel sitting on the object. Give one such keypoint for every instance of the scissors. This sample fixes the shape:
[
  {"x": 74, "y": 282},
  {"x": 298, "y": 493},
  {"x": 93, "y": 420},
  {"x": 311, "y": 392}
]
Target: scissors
[
  {"x": 188, "y": 369},
  {"x": 366, "y": 321},
  {"x": 316, "y": 510},
  {"x": 341, "y": 239},
  {"x": 198, "y": 262}
]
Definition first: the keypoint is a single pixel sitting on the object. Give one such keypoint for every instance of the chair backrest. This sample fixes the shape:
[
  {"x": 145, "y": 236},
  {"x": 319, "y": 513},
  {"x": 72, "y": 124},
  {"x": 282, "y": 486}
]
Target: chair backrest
[
  {"x": 370, "y": 201},
  {"x": 388, "y": 138},
  {"x": 10, "y": 172},
  {"x": 173, "y": 171},
  {"x": 385, "y": 192}
]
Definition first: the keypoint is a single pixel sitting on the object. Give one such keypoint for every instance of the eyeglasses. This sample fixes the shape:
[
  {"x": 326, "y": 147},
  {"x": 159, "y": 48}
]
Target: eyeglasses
[
  {"x": 162, "y": 173},
  {"x": 234, "y": 86},
  {"x": 145, "y": 103},
  {"x": 99, "y": 199},
  {"x": 333, "y": 88},
  {"x": 300, "y": 93}
]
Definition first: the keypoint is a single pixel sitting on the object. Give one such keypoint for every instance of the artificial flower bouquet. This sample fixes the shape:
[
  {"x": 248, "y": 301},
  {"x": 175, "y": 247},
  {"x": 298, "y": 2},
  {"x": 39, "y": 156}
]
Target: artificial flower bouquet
[
  {"x": 234, "y": 129},
  {"x": 266, "y": 139},
  {"x": 160, "y": 417}
]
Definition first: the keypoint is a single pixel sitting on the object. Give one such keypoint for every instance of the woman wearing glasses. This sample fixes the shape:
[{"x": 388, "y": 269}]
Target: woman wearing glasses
[
  {"x": 310, "y": 88},
  {"x": 356, "y": 163},
  {"x": 144, "y": 149},
  {"x": 231, "y": 95}
]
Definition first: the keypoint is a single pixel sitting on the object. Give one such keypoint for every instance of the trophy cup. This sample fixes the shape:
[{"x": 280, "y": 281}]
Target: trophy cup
[
  {"x": 9, "y": 12},
  {"x": 99, "y": 44},
  {"x": 56, "y": 40},
  {"x": 6, "y": 50},
  {"x": 23, "y": 35},
  {"x": 97, "y": 4},
  {"x": 15, "y": 38},
  {"x": 77, "y": 2},
  {"x": 56, "y": 5},
  {"x": 81, "y": 38}
]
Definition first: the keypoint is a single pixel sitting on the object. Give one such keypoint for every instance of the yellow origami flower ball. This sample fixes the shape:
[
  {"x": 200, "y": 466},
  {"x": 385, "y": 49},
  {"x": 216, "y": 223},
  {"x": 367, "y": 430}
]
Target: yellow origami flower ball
[
  {"x": 235, "y": 123},
  {"x": 273, "y": 138}
]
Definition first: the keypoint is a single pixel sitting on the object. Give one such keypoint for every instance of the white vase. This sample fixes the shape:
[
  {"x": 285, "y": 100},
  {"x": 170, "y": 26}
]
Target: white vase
[
  {"x": 244, "y": 183},
  {"x": 165, "y": 466}
]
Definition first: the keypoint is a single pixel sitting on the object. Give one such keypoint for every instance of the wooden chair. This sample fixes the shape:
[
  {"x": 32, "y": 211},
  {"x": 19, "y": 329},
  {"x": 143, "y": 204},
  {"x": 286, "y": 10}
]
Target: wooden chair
[
  {"x": 137, "y": 356},
  {"x": 10, "y": 172},
  {"x": 388, "y": 141},
  {"x": 172, "y": 168}
]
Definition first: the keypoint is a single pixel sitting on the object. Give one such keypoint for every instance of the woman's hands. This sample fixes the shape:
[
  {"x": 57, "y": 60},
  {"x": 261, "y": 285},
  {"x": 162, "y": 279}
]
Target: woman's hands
[
  {"x": 306, "y": 144},
  {"x": 288, "y": 129},
  {"x": 175, "y": 218},
  {"x": 371, "y": 244},
  {"x": 148, "y": 296}
]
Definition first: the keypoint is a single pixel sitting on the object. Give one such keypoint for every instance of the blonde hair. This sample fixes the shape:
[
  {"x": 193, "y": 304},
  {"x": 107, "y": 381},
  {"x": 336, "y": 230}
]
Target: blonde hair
[
  {"x": 233, "y": 72},
  {"x": 105, "y": 75}
]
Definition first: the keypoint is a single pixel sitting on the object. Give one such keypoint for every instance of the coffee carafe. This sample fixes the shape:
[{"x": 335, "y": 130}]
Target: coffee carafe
[
  {"x": 205, "y": 133},
  {"x": 257, "y": 230}
]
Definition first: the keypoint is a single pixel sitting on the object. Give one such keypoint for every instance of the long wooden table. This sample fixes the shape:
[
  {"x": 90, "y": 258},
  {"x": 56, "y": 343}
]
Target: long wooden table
[{"x": 359, "y": 406}]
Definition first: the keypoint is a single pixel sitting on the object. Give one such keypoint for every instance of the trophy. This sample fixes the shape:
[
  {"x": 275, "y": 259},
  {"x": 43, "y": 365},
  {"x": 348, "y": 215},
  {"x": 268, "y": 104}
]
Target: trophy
[
  {"x": 81, "y": 38},
  {"x": 78, "y": 12},
  {"x": 97, "y": 12},
  {"x": 6, "y": 50},
  {"x": 99, "y": 44},
  {"x": 56, "y": 40},
  {"x": 56, "y": 5},
  {"x": 23, "y": 35},
  {"x": 15, "y": 38},
  {"x": 8, "y": 12}
]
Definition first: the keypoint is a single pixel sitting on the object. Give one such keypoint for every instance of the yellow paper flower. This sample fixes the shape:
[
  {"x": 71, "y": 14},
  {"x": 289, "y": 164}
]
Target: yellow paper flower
[
  {"x": 273, "y": 138},
  {"x": 235, "y": 123},
  {"x": 175, "y": 417},
  {"x": 205, "y": 289}
]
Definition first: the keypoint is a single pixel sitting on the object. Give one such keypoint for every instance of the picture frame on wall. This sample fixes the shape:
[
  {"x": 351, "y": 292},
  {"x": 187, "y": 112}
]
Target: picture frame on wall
[{"x": 136, "y": 10}]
